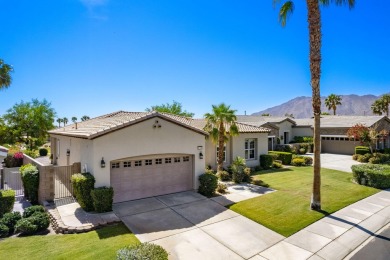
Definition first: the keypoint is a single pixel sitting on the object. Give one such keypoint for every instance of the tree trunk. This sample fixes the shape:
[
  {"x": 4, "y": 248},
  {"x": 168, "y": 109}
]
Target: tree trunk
[
  {"x": 314, "y": 20},
  {"x": 221, "y": 144}
]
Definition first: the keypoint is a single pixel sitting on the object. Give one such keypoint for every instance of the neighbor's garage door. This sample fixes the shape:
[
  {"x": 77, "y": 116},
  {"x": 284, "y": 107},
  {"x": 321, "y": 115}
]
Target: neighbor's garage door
[
  {"x": 338, "y": 145},
  {"x": 147, "y": 177}
]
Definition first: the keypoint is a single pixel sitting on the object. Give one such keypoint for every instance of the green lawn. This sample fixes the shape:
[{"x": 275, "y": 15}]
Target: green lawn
[
  {"x": 100, "y": 244},
  {"x": 287, "y": 210}
]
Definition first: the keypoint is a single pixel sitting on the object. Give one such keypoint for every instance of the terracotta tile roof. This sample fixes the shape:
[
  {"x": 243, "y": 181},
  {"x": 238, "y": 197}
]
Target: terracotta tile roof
[
  {"x": 101, "y": 125},
  {"x": 341, "y": 121},
  {"x": 260, "y": 120}
]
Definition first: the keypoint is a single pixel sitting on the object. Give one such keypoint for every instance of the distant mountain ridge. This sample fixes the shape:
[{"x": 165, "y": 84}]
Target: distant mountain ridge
[{"x": 300, "y": 107}]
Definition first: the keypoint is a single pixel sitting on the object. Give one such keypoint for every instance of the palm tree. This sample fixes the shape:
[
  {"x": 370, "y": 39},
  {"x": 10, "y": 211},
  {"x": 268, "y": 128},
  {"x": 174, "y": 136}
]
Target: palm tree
[
  {"x": 381, "y": 105},
  {"x": 5, "y": 75},
  {"x": 85, "y": 118},
  {"x": 65, "y": 121},
  {"x": 332, "y": 101},
  {"x": 221, "y": 118},
  {"x": 74, "y": 120},
  {"x": 314, "y": 22},
  {"x": 59, "y": 121}
]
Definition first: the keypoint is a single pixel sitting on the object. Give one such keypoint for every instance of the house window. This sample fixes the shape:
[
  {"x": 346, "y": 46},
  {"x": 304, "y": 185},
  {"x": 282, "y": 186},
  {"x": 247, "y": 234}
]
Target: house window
[
  {"x": 114, "y": 165},
  {"x": 168, "y": 160},
  {"x": 224, "y": 153},
  {"x": 126, "y": 164},
  {"x": 159, "y": 161},
  {"x": 176, "y": 159},
  {"x": 186, "y": 159},
  {"x": 148, "y": 162},
  {"x": 250, "y": 149},
  {"x": 137, "y": 163}
]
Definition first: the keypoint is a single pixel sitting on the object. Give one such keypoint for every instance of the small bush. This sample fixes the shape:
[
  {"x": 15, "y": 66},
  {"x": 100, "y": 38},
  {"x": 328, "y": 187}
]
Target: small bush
[
  {"x": 258, "y": 168},
  {"x": 260, "y": 183},
  {"x": 283, "y": 156},
  {"x": 308, "y": 160},
  {"x": 31, "y": 153},
  {"x": 221, "y": 188},
  {"x": 364, "y": 158},
  {"x": 362, "y": 150},
  {"x": 83, "y": 184},
  {"x": 43, "y": 152},
  {"x": 14, "y": 160},
  {"x": 298, "y": 162},
  {"x": 375, "y": 160},
  {"x": 374, "y": 175},
  {"x": 386, "y": 150},
  {"x": 31, "y": 210},
  {"x": 209, "y": 170},
  {"x": 30, "y": 179},
  {"x": 208, "y": 184},
  {"x": 4, "y": 230},
  {"x": 142, "y": 251},
  {"x": 302, "y": 150},
  {"x": 247, "y": 175},
  {"x": 224, "y": 176},
  {"x": 10, "y": 220},
  {"x": 355, "y": 157},
  {"x": 266, "y": 161},
  {"x": 25, "y": 227},
  {"x": 40, "y": 220},
  {"x": 277, "y": 165},
  {"x": 102, "y": 199},
  {"x": 7, "y": 200}
]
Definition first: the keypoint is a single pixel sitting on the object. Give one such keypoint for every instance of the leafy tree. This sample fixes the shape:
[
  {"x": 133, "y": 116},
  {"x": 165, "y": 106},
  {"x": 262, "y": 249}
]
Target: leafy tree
[
  {"x": 5, "y": 75},
  {"x": 221, "y": 118},
  {"x": 28, "y": 122},
  {"x": 65, "y": 121},
  {"x": 381, "y": 105},
  {"x": 314, "y": 22},
  {"x": 175, "y": 108},
  {"x": 366, "y": 135},
  {"x": 332, "y": 101},
  {"x": 85, "y": 118}
]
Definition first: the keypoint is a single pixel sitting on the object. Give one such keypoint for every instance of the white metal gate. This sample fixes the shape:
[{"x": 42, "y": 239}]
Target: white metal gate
[{"x": 13, "y": 181}]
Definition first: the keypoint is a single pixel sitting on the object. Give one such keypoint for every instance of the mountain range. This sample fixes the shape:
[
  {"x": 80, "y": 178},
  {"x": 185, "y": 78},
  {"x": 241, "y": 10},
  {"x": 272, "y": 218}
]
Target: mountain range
[{"x": 300, "y": 107}]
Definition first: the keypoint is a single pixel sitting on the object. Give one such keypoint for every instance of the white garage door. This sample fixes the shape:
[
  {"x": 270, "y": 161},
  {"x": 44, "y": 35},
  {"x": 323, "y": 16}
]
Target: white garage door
[{"x": 151, "y": 176}]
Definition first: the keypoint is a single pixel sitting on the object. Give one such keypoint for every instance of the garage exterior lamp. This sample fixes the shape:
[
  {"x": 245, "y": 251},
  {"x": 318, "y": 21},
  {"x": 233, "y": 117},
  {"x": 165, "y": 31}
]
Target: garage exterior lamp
[
  {"x": 102, "y": 163},
  {"x": 200, "y": 155}
]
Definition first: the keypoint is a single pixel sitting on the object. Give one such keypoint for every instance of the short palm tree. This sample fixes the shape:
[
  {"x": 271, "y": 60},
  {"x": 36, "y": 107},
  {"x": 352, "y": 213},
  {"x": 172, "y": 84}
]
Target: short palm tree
[
  {"x": 381, "y": 105},
  {"x": 85, "y": 118},
  {"x": 314, "y": 21},
  {"x": 74, "y": 120},
  {"x": 65, "y": 121},
  {"x": 59, "y": 121},
  {"x": 5, "y": 75},
  {"x": 221, "y": 124},
  {"x": 332, "y": 101}
]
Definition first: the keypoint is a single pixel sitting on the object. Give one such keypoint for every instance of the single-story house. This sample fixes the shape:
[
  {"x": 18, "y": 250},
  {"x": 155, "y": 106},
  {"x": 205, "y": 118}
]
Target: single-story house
[
  {"x": 334, "y": 129},
  {"x": 144, "y": 154}
]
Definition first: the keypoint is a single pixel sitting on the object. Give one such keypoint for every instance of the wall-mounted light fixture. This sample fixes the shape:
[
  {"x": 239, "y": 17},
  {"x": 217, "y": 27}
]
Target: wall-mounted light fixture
[
  {"x": 200, "y": 147},
  {"x": 67, "y": 152},
  {"x": 200, "y": 155},
  {"x": 102, "y": 163}
]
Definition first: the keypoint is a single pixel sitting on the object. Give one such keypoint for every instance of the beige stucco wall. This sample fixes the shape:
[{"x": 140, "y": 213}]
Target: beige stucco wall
[
  {"x": 238, "y": 146},
  {"x": 285, "y": 126},
  {"x": 302, "y": 131},
  {"x": 142, "y": 139}
]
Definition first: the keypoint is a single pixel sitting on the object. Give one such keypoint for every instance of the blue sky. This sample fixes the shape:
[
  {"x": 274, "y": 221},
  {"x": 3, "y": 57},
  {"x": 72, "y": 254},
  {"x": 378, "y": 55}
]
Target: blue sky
[{"x": 90, "y": 57}]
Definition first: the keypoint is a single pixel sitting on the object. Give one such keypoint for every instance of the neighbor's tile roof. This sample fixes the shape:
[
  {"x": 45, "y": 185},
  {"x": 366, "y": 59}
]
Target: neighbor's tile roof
[
  {"x": 262, "y": 119},
  {"x": 341, "y": 121},
  {"x": 242, "y": 127},
  {"x": 101, "y": 125}
]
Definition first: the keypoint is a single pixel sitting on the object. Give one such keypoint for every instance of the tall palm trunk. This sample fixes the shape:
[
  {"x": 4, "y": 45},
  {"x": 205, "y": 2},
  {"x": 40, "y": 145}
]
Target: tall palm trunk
[
  {"x": 314, "y": 20},
  {"x": 221, "y": 145},
  {"x": 334, "y": 110}
]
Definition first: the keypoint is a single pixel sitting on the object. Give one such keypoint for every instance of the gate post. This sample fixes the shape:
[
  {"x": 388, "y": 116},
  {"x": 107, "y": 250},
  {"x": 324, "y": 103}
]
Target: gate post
[{"x": 1, "y": 178}]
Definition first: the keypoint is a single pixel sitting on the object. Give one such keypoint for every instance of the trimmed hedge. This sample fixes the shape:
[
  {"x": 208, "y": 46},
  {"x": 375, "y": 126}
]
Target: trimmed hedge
[
  {"x": 362, "y": 150},
  {"x": 142, "y": 252},
  {"x": 32, "y": 210},
  {"x": 208, "y": 184},
  {"x": 30, "y": 179},
  {"x": 298, "y": 162},
  {"x": 25, "y": 227},
  {"x": 10, "y": 220},
  {"x": 373, "y": 175},
  {"x": 43, "y": 152},
  {"x": 7, "y": 200},
  {"x": 4, "y": 230},
  {"x": 83, "y": 184},
  {"x": 102, "y": 199},
  {"x": 285, "y": 157},
  {"x": 266, "y": 161}
]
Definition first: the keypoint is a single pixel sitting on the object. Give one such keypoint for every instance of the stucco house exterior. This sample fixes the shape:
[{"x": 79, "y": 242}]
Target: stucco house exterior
[
  {"x": 144, "y": 154},
  {"x": 334, "y": 129}
]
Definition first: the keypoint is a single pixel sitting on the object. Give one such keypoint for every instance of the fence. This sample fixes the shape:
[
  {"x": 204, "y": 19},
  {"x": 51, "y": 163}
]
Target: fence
[{"x": 13, "y": 181}]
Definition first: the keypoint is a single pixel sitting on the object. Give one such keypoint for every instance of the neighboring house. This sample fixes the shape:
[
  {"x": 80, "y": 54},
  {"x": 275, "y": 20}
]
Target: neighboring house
[
  {"x": 334, "y": 129},
  {"x": 148, "y": 153}
]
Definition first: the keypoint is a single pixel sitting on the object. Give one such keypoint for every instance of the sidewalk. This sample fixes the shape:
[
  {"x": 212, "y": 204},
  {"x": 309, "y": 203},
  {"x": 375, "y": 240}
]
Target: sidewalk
[{"x": 336, "y": 235}]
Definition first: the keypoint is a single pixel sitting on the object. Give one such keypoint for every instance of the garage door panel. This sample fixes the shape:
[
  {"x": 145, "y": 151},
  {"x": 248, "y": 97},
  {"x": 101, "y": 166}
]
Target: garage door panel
[{"x": 151, "y": 180}]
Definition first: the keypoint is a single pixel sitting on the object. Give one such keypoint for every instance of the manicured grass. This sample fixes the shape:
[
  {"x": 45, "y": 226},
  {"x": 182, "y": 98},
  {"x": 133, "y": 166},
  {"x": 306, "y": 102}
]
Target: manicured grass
[
  {"x": 287, "y": 210},
  {"x": 100, "y": 244}
]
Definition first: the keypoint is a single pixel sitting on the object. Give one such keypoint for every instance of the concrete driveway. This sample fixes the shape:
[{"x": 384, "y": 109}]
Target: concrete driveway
[
  {"x": 338, "y": 162},
  {"x": 191, "y": 226}
]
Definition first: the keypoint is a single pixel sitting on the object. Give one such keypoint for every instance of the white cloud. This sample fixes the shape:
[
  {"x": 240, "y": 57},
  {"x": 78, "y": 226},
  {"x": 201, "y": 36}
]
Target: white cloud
[{"x": 93, "y": 3}]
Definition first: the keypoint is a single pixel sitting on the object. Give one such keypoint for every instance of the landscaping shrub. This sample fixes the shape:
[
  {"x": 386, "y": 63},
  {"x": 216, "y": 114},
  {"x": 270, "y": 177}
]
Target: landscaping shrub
[
  {"x": 302, "y": 150},
  {"x": 298, "y": 162},
  {"x": 362, "y": 150},
  {"x": 83, "y": 184},
  {"x": 43, "y": 152},
  {"x": 207, "y": 184},
  {"x": 144, "y": 251},
  {"x": 247, "y": 175},
  {"x": 260, "y": 183},
  {"x": 258, "y": 168},
  {"x": 364, "y": 158},
  {"x": 277, "y": 165},
  {"x": 237, "y": 168},
  {"x": 374, "y": 160},
  {"x": 40, "y": 220},
  {"x": 14, "y": 160},
  {"x": 30, "y": 179},
  {"x": 10, "y": 220},
  {"x": 25, "y": 227},
  {"x": 7, "y": 200},
  {"x": 221, "y": 188},
  {"x": 386, "y": 150},
  {"x": 266, "y": 161},
  {"x": 308, "y": 160},
  {"x": 283, "y": 156},
  {"x": 102, "y": 199},
  {"x": 355, "y": 157},
  {"x": 31, "y": 153},
  {"x": 224, "y": 176},
  {"x": 374, "y": 175},
  {"x": 32, "y": 209},
  {"x": 4, "y": 230}
]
